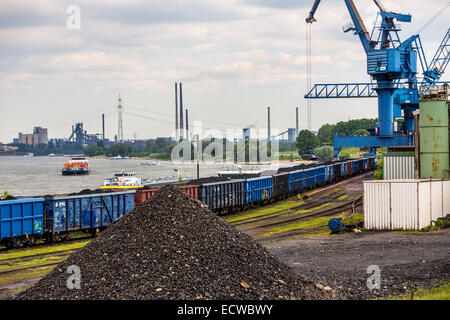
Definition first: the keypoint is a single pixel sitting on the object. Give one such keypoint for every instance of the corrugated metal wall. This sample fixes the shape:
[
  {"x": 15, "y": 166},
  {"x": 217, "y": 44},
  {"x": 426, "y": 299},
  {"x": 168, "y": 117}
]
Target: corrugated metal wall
[
  {"x": 398, "y": 166},
  {"x": 405, "y": 204}
]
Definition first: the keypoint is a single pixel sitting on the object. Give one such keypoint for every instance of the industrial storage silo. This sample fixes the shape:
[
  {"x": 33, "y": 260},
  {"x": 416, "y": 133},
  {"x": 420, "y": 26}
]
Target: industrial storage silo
[{"x": 434, "y": 140}]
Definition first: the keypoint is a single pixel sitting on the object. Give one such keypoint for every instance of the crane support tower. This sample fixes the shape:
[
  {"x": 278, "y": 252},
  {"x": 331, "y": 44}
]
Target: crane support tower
[{"x": 392, "y": 65}]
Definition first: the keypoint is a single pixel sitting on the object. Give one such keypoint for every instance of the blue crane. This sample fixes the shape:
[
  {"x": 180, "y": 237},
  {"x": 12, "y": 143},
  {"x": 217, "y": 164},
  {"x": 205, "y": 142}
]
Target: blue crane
[{"x": 392, "y": 64}]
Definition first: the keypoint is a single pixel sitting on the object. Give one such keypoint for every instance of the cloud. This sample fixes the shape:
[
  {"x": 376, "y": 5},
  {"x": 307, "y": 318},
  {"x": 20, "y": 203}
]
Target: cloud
[
  {"x": 241, "y": 54},
  {"x": 280, "y": 4}
]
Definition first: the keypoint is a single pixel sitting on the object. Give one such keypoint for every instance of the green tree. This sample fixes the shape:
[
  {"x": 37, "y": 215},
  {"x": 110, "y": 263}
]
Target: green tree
[
  {"x": 90, "y": 151},
  {"x": 306, "y": 140},
  {"x": 324, "y": 154},
  {"x": 326, "y": 134},
  {"x": 119, "y": 149},
  {"x": 361, "y": 133}
]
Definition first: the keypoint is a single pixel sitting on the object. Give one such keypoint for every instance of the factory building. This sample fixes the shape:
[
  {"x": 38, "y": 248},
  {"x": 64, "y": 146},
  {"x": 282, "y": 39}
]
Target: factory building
[{"x": 39, "y": 136}]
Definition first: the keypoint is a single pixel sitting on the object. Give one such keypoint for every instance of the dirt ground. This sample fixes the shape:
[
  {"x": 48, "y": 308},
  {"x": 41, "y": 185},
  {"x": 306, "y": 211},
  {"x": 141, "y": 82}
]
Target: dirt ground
[{"x": 405, "y": 260}]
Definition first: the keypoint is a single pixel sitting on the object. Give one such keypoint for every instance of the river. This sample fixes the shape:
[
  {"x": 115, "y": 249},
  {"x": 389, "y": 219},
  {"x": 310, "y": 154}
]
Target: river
[{"x": 38, "y": 176}]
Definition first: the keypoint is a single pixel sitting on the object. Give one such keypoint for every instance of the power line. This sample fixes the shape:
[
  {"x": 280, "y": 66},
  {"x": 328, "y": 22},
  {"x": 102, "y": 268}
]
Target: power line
[
  {"x": 195, "y": 118},
  {"x": 434, "y": 17}
]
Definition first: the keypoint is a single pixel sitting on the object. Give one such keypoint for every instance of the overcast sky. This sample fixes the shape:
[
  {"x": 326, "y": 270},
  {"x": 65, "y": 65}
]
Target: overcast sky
[{"x": 234, "y": 57}]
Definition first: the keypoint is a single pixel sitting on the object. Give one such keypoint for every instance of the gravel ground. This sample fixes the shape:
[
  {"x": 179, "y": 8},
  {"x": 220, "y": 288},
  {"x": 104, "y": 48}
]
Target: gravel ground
[
  {"x": 405, "y": 260},
  {"x": 174, "y": 247}
]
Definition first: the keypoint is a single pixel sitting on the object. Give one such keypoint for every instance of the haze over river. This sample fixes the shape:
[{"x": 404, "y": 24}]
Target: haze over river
[{"x": 37, "y": 176}]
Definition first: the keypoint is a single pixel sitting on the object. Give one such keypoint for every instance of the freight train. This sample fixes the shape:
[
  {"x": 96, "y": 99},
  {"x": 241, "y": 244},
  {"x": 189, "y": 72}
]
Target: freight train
[{"x": 54, "y": 218}]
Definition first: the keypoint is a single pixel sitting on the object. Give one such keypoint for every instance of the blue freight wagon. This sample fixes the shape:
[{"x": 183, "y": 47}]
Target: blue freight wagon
[
  {"x": 64, "y": 214},
  {"x": 280, "y": 185},
  {"x": 21, "y": 221},
  {"x": 221, "y": 196},
  {"x": 355, "y": 166},
  {"x": 310, "y": 177},
  {"x": 329, "y": 173},
  {"x": 258, "y": 189},
  {"x": 319, "y": 173},
  {"x": 296, "y": 180},
  {"x": 344, "y": 169}
]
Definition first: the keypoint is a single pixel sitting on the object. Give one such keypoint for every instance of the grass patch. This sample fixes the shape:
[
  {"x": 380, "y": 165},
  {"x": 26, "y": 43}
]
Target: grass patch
[
  {"x": 350, "y": 152},
  {"x": 25, "y": 275},
  {"x": 313, "y": 223},
  {"x": 55, "y": 248},
  {"x": 310, "y": 223},
  {"x": 357, "y": 217},
  {"x": 441, "y": 292},
  {"x": 34, "y": 262},
  {"x": 254, "y": 213}
]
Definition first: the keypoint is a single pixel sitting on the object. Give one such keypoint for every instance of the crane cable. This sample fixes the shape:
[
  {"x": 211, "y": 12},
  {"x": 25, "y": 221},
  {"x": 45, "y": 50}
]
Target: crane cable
[
  {"x": 434, "y": 17},
  {"x": 308, "y": 72}
]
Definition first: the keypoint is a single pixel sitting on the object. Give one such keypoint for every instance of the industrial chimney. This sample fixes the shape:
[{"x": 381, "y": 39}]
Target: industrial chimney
[
  {"x": 187, "y": 125},
  {"x": 103, "y": 126},
  {"x": 296, "y": 122},
  {"x": 176, "y": 111},
  {"x": 181, "y": 111},
  {"x": 268, "y": 123}
]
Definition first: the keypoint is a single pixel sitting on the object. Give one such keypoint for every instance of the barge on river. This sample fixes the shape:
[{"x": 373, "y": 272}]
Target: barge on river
[{"x": 77, "y": 165}]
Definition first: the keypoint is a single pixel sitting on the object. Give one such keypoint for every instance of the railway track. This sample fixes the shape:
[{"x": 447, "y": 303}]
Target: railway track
[
  {"x": 316, "y": 214},
  {"x": 304, "y": 206},
  {"x": 322, "y": 198},
  {"x": 29, "y": 268},
  {"x": 260, "y": 227},
  {"x": 44, "y": 244},
  {"x": 301, "y": 231},
  {"x": 61, "y": 253},
  {"x": 291, "y": 233}
]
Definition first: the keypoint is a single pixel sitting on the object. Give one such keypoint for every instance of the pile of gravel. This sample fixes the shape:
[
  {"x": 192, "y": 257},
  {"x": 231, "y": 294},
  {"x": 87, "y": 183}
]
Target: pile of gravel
[
  {"x": 7, "y": 198},
  {"x": 299, "y": 167},
  {"x": 174, "y": 247},
  {"x": 206, "y": 180}
]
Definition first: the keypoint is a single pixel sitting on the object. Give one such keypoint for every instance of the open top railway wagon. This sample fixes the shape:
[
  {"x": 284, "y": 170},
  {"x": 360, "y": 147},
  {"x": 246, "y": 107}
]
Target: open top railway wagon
[{"x": 53, "y": 218}]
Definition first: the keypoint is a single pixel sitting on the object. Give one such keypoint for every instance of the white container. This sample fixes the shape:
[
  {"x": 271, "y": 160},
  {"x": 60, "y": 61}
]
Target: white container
[
  {"x": 405, "y": 204},
  {"x": 398, "y": 166}
]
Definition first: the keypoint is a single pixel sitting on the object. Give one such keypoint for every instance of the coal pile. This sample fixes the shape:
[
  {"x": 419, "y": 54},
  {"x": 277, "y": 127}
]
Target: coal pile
[
  {"x": 206, "y": 180},
  {"x": 88, "y": 192},
  {"x": 298, "y": 167},
  {"x": 174, "y": 247},
  {"x": 7, "y": 198}
]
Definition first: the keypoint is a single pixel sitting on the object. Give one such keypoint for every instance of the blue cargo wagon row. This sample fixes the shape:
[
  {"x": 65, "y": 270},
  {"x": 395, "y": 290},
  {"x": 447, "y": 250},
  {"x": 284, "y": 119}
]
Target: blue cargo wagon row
[{"x": 24, "y": 221}]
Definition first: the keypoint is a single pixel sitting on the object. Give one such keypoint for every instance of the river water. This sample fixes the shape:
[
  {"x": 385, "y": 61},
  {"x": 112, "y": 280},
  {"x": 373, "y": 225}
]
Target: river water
[{"x": 38, "y": 176}]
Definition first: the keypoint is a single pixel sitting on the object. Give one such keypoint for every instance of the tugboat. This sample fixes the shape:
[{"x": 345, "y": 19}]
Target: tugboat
[{"x": 77, "y": 165}]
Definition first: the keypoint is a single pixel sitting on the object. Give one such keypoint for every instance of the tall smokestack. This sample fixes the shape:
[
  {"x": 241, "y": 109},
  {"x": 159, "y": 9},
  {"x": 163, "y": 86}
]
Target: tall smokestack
[
  {"x": 103, "y": 126},
  {"x": 296, "y": 122},
  {"x": 187, "y": 125},
  {"x": 176, "y": 111},
  {"x": 268, "y": 123},
  {"x": 181, "y": 111}
]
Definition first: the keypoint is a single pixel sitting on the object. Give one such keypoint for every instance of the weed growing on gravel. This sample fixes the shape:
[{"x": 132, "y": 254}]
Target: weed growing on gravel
[{"x": 441, "y": 292}]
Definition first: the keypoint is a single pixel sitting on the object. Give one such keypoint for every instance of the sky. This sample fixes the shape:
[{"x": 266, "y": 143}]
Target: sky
[{"x": 234, "y": 58}]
